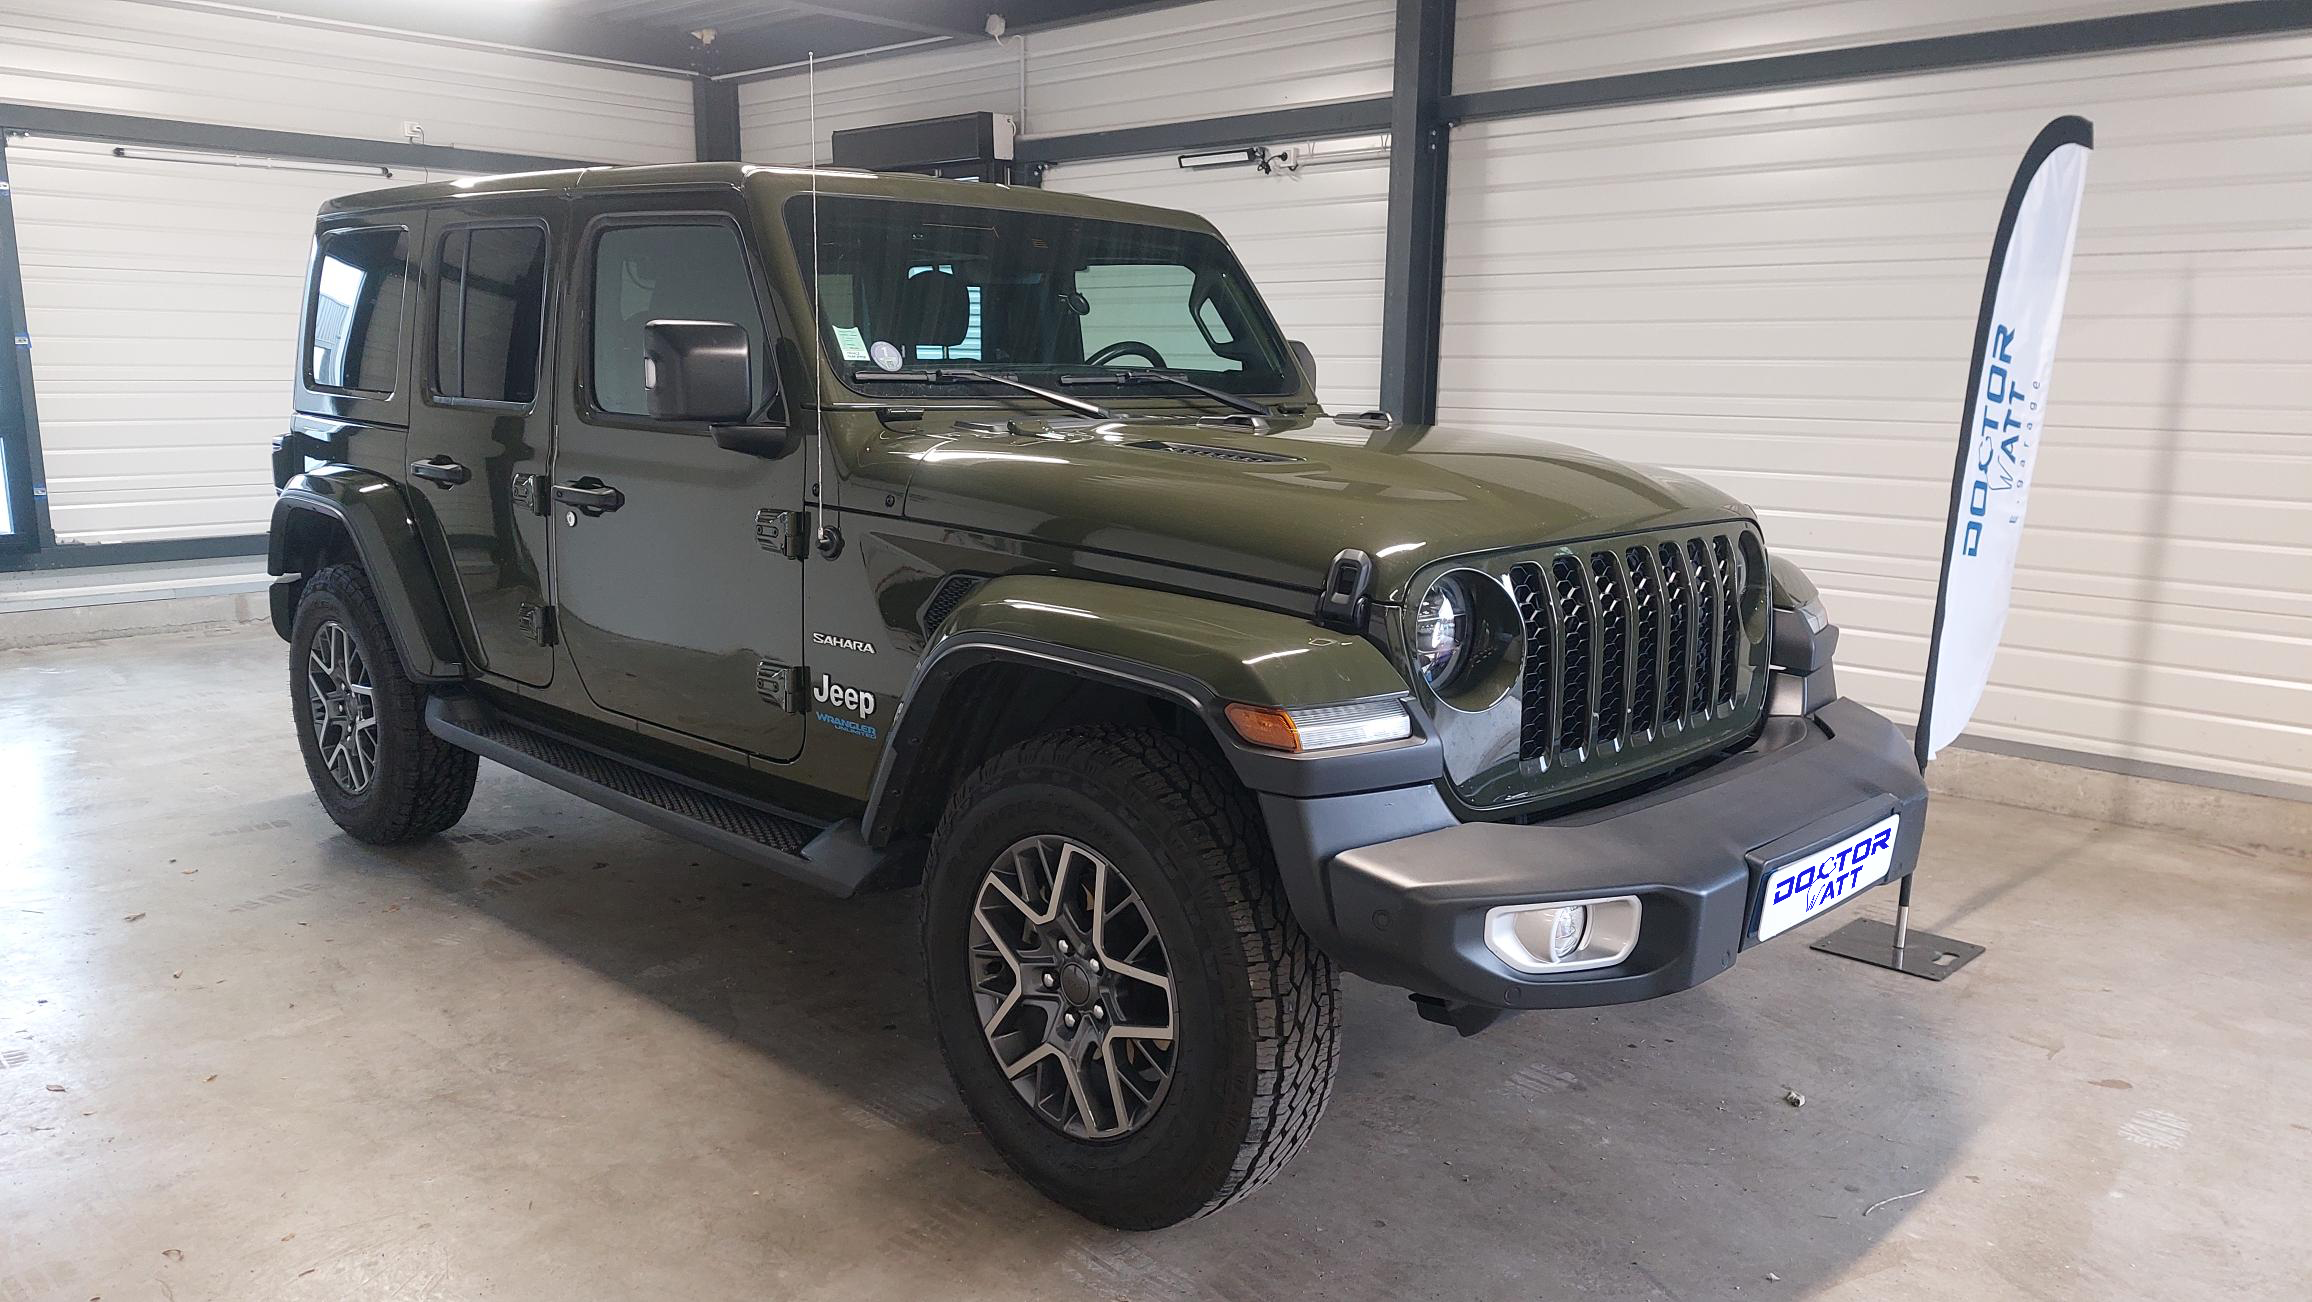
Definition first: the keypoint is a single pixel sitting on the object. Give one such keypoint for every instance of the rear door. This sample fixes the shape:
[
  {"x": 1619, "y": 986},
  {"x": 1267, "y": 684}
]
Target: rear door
[
  {"x": 480, "y": 434},
  {"x": 672, "y": 606}
]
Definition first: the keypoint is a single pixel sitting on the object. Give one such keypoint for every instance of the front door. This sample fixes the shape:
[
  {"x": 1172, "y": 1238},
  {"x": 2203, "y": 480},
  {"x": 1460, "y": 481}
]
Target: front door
[
  {"x": 478, "y": 434},
  {"x": 673, "y": 609}
]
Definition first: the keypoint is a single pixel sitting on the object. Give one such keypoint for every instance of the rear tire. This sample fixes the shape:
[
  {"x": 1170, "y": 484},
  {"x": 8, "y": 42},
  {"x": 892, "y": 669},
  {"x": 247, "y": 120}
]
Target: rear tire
[
  {"x": 361, "y": 722},
  {"x": 1163, "y": 835}
]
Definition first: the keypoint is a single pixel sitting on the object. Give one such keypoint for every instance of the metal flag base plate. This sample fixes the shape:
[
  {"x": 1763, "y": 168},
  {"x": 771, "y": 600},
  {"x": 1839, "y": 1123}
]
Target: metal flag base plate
[{"x": 1924, "y": 954}]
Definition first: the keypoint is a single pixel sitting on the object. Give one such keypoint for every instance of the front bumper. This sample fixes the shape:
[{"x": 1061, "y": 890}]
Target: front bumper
[{"x": 1409, "y": 910}]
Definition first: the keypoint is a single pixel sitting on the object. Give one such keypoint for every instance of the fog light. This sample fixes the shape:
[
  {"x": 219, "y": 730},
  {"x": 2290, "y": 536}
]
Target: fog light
[
  {"x": 1566, "y": 930},
  {"x": 1566, "y": 936}
]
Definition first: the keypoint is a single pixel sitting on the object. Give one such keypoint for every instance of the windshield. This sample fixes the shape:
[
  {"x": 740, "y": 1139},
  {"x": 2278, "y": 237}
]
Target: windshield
[{"x": 909, "y": 286}]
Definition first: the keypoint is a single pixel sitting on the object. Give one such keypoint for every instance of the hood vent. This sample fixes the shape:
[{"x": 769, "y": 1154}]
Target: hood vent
[{"x": 1245, "y": 455}]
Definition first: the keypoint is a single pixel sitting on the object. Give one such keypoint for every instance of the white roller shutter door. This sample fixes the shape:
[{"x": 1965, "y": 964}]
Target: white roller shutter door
[{"x": 163, "y": 302}]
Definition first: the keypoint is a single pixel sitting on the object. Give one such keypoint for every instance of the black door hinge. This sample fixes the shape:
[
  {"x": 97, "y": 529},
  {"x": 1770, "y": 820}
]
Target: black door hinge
[
  {"x": 1343, "y": 603},
  {"x": 781, "y": 532},
  {"x": 537, "y": 624},
  {"x": 776, "y": 683},
  {"x": 530, "y": 493}
]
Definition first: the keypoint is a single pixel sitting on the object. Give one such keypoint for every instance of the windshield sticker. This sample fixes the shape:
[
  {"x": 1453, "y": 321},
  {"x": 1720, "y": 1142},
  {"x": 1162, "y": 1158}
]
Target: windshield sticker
[
  {"x": 886, "y": 355},
  {"x": 853, "y": 344}
]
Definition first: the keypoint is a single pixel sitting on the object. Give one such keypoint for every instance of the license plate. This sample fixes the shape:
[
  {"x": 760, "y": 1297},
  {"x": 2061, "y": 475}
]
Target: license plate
[{"x": 1827, "y": 878}]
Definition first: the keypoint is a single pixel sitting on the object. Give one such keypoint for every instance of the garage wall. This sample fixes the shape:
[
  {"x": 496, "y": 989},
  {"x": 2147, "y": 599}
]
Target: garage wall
[
  {"x": 1501, "y": 43},
  {"x": 159, "y": 61},
  {"x": 1775, "y": 291},
  {"x": 1311, "y": 239},
  {"x": 162, "y": 295},
  {"x": 1168, "y": 65}
]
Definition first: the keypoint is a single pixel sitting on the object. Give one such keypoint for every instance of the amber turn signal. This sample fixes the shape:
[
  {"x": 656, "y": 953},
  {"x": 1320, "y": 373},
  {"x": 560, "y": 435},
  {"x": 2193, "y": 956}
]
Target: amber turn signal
[{"x": 1264, "y": 725}]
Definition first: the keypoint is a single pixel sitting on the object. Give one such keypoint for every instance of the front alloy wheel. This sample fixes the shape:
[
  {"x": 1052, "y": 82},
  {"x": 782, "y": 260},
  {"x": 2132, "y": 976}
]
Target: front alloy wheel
[
  {"x": 1119, "y": 988},
  {"x": 343, "y": 707},
  {"x": 1073, "y": 987}
]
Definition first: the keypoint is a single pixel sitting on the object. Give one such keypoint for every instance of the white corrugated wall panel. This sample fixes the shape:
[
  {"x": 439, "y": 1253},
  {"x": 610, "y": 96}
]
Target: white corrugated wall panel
[
  {"x": 1312, "y": 240},
  {"x": 1167, "y": 65},
  {"x": 163, "y": 304},
  {"x": 1776, "y": 292},
  {"x": 1521, "y": 42},
  {"x": 162, "y": 296},
  {"x": 158, "y": 61}
]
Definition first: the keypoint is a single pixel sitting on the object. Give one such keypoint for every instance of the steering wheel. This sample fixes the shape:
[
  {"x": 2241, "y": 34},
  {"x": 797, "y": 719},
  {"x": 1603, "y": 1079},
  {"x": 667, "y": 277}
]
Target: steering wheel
[{"x": 1125, "y": 348}]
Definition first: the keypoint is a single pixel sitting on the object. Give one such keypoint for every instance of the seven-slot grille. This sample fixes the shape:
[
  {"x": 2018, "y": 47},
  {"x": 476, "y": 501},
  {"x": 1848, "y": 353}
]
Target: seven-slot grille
[{"x": 1635, "y": 641}]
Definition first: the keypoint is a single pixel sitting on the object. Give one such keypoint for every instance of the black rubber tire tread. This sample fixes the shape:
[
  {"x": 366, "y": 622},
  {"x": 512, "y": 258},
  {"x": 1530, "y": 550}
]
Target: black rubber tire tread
[
  {"x": 423, "y": 783},
  {"x": 1293, "y": 988}
]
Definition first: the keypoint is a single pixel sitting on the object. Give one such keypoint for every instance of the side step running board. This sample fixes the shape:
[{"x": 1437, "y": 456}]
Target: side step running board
[{"x": 832, "y": 858}]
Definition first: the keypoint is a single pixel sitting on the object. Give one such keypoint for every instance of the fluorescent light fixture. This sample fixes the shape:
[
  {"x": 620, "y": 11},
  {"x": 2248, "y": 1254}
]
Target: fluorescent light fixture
[
  {"x": 1252, "y": 157},
  {"x": 257, "y": 162}
]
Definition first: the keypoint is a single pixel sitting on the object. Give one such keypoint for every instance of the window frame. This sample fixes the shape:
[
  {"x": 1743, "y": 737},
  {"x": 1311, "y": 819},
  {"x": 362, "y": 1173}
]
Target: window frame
[
  {"x": 539, "y": 379},
  {"x": 312, "y": 315},
  {"x": 583, "y": 293}
]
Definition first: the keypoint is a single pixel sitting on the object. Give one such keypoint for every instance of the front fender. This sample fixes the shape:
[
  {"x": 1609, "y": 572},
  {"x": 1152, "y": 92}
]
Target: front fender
[
  {"x": 1215, "y": 650},
  {"x": 375, "y": 519},
  {"x": 1201, "y": 653}
]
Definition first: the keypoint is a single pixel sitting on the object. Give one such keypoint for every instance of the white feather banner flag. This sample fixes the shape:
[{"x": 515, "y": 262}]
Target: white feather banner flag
[{"x": 1999, "y": 431}]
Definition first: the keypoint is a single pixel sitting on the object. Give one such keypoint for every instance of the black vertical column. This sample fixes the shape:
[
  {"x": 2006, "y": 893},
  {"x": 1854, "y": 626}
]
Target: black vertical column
[
  {"x": 28, "y": 526},
  {"x": 1413, "y": 280},
  {"x": 714, "y": 115}
]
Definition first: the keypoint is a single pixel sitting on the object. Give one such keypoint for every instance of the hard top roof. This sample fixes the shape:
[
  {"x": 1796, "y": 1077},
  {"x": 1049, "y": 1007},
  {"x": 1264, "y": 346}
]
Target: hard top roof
[{"x": 774, "y": 184}]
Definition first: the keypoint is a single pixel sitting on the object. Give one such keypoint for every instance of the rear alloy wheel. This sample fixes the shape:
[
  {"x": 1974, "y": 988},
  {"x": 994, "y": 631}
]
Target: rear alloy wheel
[
  {"x": 361, "y": 721},
  {"x": 1119, "y": 989},
  {"x": 343, "y": 706}
]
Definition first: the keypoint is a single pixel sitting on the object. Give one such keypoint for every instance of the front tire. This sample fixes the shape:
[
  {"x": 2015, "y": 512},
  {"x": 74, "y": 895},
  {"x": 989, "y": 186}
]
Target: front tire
[
  {"x": 1119, "y": 990},
  {"x": 361, "y": 721}
]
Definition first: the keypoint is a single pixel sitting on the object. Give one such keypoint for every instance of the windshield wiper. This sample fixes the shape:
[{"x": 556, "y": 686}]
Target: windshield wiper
[
  {"x": 946, "y": 376},
  {"x": 1237, "y": 401}
]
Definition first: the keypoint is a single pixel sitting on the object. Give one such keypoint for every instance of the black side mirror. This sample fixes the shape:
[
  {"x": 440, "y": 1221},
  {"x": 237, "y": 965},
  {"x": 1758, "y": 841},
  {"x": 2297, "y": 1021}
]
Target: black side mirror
[
  {"x": 698, "y": 371},
  {"x": 1307, "y": 360}
]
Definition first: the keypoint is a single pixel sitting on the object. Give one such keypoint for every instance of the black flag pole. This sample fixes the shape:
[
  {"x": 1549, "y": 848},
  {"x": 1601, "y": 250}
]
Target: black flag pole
[{"x": 1996, "y": 406}]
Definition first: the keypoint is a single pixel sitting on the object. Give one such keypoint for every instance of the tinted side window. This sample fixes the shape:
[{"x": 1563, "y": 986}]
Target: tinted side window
[
  {"x": 356, "y": 310},
  {"x": 490, "y": 311},
  {"x": 689, "y": 272}
]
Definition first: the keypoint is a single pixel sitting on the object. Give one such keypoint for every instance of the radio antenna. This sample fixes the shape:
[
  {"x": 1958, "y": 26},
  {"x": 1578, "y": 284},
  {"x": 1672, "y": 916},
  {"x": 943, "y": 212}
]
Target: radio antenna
[{"x": 829, "y": 540}]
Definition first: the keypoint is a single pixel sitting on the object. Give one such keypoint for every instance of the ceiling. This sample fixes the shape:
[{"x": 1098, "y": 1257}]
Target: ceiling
[{"x": 709, "y": 36}]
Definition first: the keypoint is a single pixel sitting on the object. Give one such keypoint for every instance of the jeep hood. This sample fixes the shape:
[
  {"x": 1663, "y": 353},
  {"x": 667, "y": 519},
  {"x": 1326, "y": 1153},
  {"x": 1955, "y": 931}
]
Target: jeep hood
[{"x": 1276, "y": 507}]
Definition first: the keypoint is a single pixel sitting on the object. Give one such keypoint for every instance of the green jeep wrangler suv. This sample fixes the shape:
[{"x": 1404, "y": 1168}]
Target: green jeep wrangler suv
[{"x": 885, "y": 531}]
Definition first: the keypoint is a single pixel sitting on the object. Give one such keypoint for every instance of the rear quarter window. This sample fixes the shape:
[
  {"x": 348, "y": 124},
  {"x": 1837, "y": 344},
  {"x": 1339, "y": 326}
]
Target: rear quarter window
[{"x": 360, "y": 280}]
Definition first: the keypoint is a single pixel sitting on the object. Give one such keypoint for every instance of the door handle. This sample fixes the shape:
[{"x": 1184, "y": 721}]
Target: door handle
[
  {"x": 440, "y": 471},
  {"x": 589, "y": 495}
]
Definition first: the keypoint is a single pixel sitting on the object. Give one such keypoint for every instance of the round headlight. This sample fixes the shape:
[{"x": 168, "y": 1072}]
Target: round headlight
[{"x": 1441, "y": 632}]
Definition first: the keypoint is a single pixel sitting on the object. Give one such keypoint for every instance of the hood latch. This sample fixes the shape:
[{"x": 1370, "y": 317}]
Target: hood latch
[{"x": 1343, "y": 603}]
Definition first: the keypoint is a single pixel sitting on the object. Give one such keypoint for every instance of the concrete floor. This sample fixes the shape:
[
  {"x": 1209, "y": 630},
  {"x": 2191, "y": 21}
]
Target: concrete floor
[{"x": 556, "y": 1055}]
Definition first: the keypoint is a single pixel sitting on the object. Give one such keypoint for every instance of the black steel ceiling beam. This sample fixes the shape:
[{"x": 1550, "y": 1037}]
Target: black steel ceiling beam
[
  {"x": 126, "y": 129},
  {"x": 2242, "y": 18},
  {"x": 1413, "y": 269},
  {"x": 1308, "y": 121}
]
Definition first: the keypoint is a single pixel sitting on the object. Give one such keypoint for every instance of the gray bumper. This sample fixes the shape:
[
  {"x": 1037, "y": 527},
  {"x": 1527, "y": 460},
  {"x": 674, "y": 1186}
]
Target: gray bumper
[{"x": 1396, "y": 891}]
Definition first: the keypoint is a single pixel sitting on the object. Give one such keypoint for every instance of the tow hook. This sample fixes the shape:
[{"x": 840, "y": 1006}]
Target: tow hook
[{"x": 1468, "y": 1019}]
